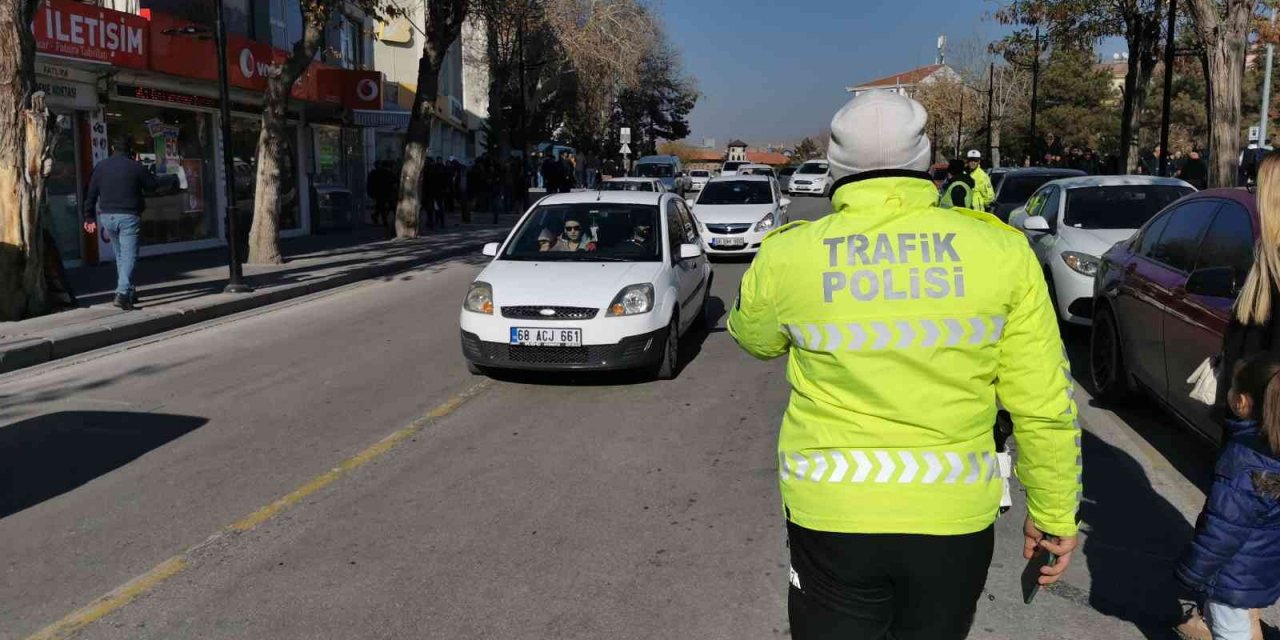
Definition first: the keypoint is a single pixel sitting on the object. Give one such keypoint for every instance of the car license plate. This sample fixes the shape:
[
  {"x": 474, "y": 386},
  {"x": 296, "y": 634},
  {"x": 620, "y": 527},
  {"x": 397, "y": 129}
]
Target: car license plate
[
  {"x": 546, "y": 337},
  {"x": 728, "y": 242}
]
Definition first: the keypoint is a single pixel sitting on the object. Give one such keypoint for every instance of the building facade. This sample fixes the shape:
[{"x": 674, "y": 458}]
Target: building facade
[{"x": 905, "y": 83}]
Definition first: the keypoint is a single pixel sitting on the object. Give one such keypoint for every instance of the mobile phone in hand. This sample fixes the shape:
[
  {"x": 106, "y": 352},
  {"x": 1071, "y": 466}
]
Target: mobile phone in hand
[{"x": 1031, "y": 573}]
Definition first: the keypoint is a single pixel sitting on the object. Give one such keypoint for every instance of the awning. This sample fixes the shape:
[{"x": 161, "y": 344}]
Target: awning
[{"x": 377, "y": 118}]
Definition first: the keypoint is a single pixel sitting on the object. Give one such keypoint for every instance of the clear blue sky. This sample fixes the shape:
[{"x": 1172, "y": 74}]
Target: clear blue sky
[{"x": 773, "y": 71}]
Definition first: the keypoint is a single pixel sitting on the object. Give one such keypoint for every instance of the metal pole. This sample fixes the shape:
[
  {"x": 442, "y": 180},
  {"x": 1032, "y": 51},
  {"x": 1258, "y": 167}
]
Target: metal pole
[
  {"x": 1035, "y": 89},
  {"x": 960, "y": 121},
  {"x": 991, "y": 100},
  {"x": 234, "y": 284},
  {"x": 1266, "y": 92},
  {"x": 1168, "y": 88}
]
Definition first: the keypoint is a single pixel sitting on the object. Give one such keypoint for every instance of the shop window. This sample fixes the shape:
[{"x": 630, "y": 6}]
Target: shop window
[
  {"x": 177, "y": 146},
  {"x": 61, "y": 200},
  {"x": 244, "y": 153}
]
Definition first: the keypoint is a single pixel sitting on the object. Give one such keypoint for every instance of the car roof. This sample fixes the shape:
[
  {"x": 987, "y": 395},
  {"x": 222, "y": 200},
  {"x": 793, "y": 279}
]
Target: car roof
[
  {"x": 1240, "y": 195},
  {"x": 1042, "y": 171},
  {"x": 631, "y": 179},
  {"x": 741, "y": 178},
  {"x": 611, "y": 197},
  {"x": 1117, "y": 181},
  {"x": 756, "y": 165}
]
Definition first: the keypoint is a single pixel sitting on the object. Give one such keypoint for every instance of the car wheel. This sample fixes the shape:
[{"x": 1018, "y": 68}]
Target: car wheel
[
  {"x": 665, "y": 369},
  {"x": 1106, "y": 359}
]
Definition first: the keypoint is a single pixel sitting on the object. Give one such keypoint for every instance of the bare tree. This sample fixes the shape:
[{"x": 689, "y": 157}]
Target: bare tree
[
  {"x": 26, "y": 147},
  {"x": 442, "y": 25},
  {"x": 1223, "y": 29}
]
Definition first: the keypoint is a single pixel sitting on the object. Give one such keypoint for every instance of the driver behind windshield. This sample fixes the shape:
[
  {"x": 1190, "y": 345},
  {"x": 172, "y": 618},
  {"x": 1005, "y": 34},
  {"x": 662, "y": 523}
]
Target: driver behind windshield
[
  {"x": 573, "y": 238},
  {"x": 640, "y": 236}
]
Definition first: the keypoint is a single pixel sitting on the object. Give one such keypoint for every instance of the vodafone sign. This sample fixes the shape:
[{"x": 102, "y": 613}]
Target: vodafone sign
[
  {"x": 367, "y": 90},
  {"x": 72, "y": 29}
]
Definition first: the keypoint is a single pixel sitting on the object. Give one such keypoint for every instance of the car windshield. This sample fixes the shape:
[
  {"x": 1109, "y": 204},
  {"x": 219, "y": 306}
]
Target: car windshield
[
  {"x": 654, "y": 170},
  {"x": 1017, "y": 189},
  {"x": 756, "y": 171},
  {"x": 626, "y": 185},
  {"x": 813, "y": 168},
  {"x": 732, "y": 166},
  {"x": 588, "y": 232},
  {"x": 698, "y": 173},
  {"x": 736, "y": 192},
  {"x": 1118, "y": 207}
]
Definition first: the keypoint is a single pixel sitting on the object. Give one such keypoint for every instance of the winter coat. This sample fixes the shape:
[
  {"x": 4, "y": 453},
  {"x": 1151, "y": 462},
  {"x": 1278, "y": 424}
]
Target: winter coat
[{"x": 1235, "y": 555}]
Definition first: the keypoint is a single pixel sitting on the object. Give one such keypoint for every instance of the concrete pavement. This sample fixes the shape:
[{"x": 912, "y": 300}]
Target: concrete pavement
[{"x": 534, "y": 506}]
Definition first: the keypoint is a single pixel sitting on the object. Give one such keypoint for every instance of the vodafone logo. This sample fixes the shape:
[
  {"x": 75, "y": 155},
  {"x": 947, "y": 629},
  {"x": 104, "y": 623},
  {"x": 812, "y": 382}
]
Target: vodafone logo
[
  {"x": 247, "y": 63},
  {"x": 367, "y": 90}
]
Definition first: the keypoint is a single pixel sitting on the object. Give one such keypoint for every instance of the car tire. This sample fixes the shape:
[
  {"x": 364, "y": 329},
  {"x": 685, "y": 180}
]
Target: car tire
[
  {"x": 1106, "y": 359},
  {"x": 708, "y": 321},
  {"x": 668, "y": 365}
]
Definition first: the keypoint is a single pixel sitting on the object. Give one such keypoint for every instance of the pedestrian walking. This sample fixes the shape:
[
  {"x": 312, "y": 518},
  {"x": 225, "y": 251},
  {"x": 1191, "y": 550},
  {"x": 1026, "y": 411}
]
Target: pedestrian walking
[
  {"x": 439, "y": 192},
  {"x": 1194, "y": 171},
  {"x": 117, "y": 196},
  {"x": 380, "y": 186},
  {"x": 566, "y": 173},
  {"x": 1250, "y": 161},
  {"x": 1233, "y": 562},
  {"x": 890, "y": 503},
  {"x": 550, "y": 172},
  {"x": 983, "y": 193},
  {"x": 958, "y": 191}
]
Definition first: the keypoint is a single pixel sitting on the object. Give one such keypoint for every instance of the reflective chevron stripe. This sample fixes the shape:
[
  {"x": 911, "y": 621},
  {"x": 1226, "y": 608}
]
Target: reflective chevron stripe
[
  {"x": 898, "y": 335},
  {"x": 858, "y": 466}
]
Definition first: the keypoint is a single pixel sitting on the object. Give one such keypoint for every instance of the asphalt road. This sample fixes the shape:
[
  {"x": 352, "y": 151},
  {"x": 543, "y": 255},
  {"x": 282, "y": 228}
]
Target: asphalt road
[{"x": 328, "y": 469}]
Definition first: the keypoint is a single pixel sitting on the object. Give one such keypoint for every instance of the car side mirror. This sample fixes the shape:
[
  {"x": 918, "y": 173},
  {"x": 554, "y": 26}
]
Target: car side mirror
[
  {"x": 1218, "y": 282},
  {"x": 490, "y": 249},
  {"x": 785, "y": 202},
  {"x": 1035, "y": 223},
  {"x": 690, "y": 251}
]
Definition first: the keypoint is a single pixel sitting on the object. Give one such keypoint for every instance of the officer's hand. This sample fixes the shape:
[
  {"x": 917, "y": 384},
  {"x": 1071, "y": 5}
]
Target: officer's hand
[{"x": 1062, "y": 548}]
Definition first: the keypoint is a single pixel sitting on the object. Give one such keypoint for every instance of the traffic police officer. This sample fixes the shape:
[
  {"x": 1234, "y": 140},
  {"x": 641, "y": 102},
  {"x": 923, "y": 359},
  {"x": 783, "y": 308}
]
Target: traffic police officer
[
  {"x": 958, "y": 191},
  {"x": 905, "y": 325},
  {"x": 983, "y": 193}
]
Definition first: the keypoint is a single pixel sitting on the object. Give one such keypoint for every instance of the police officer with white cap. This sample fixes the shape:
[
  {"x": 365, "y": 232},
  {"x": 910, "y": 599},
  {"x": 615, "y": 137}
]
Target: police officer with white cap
[{"x": 983, "y": 193}]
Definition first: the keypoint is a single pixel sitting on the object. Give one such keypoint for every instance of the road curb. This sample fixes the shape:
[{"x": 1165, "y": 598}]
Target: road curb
[{"x": 71, "y": 341}]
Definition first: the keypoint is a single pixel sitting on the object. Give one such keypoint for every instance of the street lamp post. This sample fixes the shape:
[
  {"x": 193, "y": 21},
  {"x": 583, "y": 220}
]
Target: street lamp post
[{"x": 234, "y": 283}]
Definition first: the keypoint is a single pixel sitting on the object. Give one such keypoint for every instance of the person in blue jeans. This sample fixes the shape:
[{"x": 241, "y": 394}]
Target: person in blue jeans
[
  {"x": 116, "y": 197},
  {"x": 1233, "y": 562}
]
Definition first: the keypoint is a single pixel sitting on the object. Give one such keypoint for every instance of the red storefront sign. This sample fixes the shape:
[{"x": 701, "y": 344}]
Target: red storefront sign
[
  {"x": 355, "y": 89},
  {"x": 75, "y": 30}
]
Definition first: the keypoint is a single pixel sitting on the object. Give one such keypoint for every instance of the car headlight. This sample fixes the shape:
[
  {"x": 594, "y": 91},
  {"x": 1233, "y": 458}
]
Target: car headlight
[
  {"x": 766, "y": 223},
  {"x": 633, "y": 300},
  {"x": 1081, "y": 263},
  {"x": 479, "y": 298}
]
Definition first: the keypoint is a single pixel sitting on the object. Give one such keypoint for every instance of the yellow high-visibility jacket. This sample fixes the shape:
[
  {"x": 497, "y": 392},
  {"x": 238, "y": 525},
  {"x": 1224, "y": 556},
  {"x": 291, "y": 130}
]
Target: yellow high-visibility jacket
[
  {"x": 906, "y": 325},
  {"x": 983, "y": 193}
]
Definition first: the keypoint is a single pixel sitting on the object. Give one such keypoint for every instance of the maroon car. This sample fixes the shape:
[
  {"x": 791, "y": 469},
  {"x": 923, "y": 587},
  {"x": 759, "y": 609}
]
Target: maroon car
[{"x": 1162, "y": 300}]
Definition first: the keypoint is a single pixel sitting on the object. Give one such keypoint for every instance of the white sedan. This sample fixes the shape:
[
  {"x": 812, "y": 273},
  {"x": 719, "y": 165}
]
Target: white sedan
[
  {"x": 813, "y": 178},
  {"x": 633, "y": 184},
  {"x": 698, "y": 179},
  {"x": 736, "y": 212},
  {"x": 1071, "y": 222},
  {"x": 590, "y": 280}
]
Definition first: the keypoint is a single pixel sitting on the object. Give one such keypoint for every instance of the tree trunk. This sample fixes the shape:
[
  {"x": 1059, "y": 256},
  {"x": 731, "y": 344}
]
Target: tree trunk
[
  {"x": 416, "y": 142},
  {"x": 1224, "y": 35},
  {"x": 26, "y": 145},
  {"x": 264, "y": 234},
  {"x": 995, "y": 142},
  {"x": 1137, "y": 83}
]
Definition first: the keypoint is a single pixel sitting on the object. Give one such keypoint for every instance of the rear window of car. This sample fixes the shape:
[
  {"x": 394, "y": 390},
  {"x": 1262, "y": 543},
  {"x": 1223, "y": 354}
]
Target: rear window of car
[
  {"x": 1118, "y": 206},
  {"x": 732, "y": 166},
  {"x": 655, "y": 170},
  {"x": 1016, "y": 189},
  {"x": 699, "y": 173},
  {"x": 626, "y": 185}
]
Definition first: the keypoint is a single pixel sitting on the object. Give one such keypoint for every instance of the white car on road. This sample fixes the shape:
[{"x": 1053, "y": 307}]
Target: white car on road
[
  {"x": 633, "y": 184},
  {"x": 1071, "y": 222},
  {"x": 590, "y": 280},
  {"x": 731, "y": 168},
  {"x": 698, "y": 179},
  {"x": 757, "y": 170},
  {"x": 813, "y": 178},
  {"x": 736, "y": 212}
]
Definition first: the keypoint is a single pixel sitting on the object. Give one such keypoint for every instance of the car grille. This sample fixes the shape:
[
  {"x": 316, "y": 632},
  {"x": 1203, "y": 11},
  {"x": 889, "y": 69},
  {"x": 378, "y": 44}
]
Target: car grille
[
  {"x": 801, "y": 182},
  {"x": 726, "y": 229},
  {"x": 560, "y": 313}
]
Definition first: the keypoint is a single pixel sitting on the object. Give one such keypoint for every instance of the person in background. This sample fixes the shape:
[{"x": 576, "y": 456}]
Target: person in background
[
  {"x": 958, "y": 191},
  {"x": 1250, "y": 161},
  {"x": 440, "y": 185},
  {"x": 550, "y": 172},
  {"x": 478, "y": 184},
  {"x": 1233, "y": 562},
  {"x": 381, "y": 187},
  {"x": 116, "y": 196},
  {"x": 566, "y": 173},
  {"x": 1149, "y": 163},
  {"x": 983, "y": 193},
  {"x": 1194, "y": 171}
]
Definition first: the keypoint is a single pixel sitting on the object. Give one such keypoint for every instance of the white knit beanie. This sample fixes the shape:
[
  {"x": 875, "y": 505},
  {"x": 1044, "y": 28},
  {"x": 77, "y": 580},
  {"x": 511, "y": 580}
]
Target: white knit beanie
[{"x": 878, "y": 130}]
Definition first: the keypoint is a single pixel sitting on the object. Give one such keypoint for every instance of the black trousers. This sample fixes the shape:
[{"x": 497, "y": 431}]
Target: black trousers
[{"x": 892, "y": 586}]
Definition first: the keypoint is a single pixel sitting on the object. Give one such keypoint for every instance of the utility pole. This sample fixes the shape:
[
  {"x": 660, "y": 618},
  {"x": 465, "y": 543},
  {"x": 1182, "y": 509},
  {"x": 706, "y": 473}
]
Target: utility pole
[
  {"x": 1266, "y": 92},
  {"x": 991, "y": 99},
  {"x": 1168, "y": 86},
  {"x": 1035, "y": 89},
  {"x": 960, "y": 121}
]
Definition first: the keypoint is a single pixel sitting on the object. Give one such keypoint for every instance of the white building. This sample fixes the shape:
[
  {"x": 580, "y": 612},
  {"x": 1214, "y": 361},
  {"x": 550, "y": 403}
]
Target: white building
[{"x": 906, "y": 82}]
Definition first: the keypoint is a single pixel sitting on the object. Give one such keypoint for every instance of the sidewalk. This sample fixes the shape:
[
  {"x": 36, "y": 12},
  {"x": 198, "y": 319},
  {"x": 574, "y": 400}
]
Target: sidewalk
[{"x": 184, "y": 289}]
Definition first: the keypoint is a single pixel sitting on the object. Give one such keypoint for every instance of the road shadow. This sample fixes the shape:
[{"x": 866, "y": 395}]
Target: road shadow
[
  {"x": 49, "y": 455},
  {"x": 1185, "y": 448},
  {"x": 1134, "y": 539}
]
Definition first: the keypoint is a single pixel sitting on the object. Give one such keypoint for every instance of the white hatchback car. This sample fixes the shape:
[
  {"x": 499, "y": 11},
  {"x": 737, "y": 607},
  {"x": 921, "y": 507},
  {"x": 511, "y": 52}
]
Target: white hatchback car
[
  {"x": 1071, "y": 222},
  {"x": 698, "y": 179},
  {"x": 590, "y": 280},
  {"x": 633, "y": 184},
  {"x": 736, "y": 212},
  {"x": 813, "y": 178}
]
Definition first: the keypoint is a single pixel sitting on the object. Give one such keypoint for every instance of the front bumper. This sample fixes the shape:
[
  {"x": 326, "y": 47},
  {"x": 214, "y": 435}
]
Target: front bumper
[
  {"x": 632, "y": 352},
  {"x": 1075, "y": 295},
  {"x": 751, "y": 240},
  {"x": 813, "y": 188}
]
